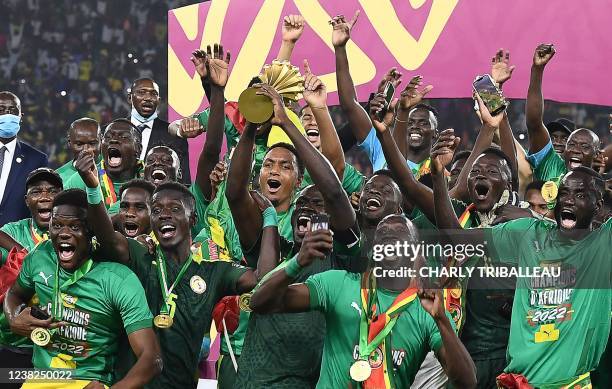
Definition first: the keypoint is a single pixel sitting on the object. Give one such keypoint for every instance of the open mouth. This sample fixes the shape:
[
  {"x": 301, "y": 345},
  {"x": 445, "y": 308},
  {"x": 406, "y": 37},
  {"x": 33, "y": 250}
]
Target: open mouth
[
  {"x": 312, "y": 132},
  {"x": 303, "y": 224},
  {"x": 574, "y": 162},
  {"x": 482, "y": 190},
  {"x": 568, "y": 219},
  {"x": 66, "y": 251},
  {"x": 131, "y": 229},
  {"x": 167, "y": 231},
  {"x": 372, "y": 204},
  {"x": 273, "y": 185},
  {"x": 559, "y": 147},
  {"x": 114, "y": 157},
  {"x": 158, "y": 176},
  {"x": 44, "y": 213},
  {"x": 147, "y": 107},
  {"x": 416, "y": 136}
]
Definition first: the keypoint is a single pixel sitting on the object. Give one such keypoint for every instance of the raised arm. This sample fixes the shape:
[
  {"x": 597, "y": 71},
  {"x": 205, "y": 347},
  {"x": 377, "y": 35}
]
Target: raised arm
[
  {"x": 358, "y": 119},
  {"x": 453, "y": 356},
  {"x": 217, "y": 69},
  {"x": 293, "y": 27},
  {"x": 501, "y": 71},
  {"x": 279, "y": 293},
  {"x": 245, "y": 212},
  {"x": 484, "y": 139},
  {"x": 148, "y": 359},
  {"x": 315, "y": 95},
  {"x": 412, "y": 189},
  {"x": 341, "y": 213},
  {"x": 538, "y": 135},
  {"x": 269, "y": 251},
  {"x": 112, "y": 243}
]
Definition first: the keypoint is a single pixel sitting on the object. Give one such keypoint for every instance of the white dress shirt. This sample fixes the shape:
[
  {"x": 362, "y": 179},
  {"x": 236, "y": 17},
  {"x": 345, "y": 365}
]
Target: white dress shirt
[
  {"x": 146, "y": 135},
  {"x": 6, "y": 167}
]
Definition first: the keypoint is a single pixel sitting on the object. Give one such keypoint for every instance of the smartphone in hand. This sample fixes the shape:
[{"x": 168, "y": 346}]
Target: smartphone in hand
[
  {"x": 491, "y": 96},
  {"x": 388, "y": 91},
  {"x": 38, "y": 313},
  {"x": 319, "y": 221}
]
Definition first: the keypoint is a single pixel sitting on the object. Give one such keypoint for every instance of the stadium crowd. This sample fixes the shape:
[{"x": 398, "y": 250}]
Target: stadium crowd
[{"x": 116, "y": 264}]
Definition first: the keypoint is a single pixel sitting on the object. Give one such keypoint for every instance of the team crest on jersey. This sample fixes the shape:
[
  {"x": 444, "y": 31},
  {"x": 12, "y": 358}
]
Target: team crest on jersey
[
  {"x": 69, "y": 301},
  {"x": 198, "y": 285}
]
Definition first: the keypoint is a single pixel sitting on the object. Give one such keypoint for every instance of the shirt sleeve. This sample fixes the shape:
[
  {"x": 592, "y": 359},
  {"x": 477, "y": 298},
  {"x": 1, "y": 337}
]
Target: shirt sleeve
[
  {"x": 138, "y": 256},
  {"x": 201, "y": 204},
  {"x": 536, "y": 158},
  {"x": 551, "y": 166},
  {"x": 231, "y": 133},
  {"x": 323, "y": 289},
  {"x": 352, "y": 180},
  {"x": 129, "y": 299},
  {"x": 10, "y": 230},
  {"x": 372, "y": 147},
  {"x": 229, "y": 274}
]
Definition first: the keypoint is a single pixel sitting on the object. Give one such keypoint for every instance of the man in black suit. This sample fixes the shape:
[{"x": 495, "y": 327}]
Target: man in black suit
[
  {"x": 144, "y": 99},
  {"x": 17, "y": 159}
]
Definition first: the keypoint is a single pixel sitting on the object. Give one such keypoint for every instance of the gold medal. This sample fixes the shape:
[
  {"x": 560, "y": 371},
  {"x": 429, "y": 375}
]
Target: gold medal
[
  {"x": 360, "y": 370},
  {"x": 163, "y": 321},
  {"x": 244, "y": 301},
  {"x": 40, "y": 336},
  {"x": 198, "y": 285},
  {"x": 549, "y": 191}
]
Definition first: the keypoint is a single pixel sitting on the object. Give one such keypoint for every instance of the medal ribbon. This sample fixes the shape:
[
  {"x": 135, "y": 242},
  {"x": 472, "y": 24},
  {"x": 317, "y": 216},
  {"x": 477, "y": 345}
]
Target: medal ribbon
[
  {"x": 379, "y": 327},
  {"x": 106, "y": 184},
  {"x": 423, "y": 168},
  {"x": 36, "y": 237},
  {"x": 163, "y": 278},
  {"x": 465, "y": 216},
  {"x": 57, "y": 303}
]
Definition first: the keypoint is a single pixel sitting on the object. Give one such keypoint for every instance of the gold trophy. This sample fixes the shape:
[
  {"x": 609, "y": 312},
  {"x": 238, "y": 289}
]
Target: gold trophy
[{"x": 280, "y": 75}]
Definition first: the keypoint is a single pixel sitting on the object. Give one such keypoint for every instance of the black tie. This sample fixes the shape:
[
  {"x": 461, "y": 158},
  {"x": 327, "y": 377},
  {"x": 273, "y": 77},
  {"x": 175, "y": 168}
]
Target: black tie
[{"x": 2, "y": 151}]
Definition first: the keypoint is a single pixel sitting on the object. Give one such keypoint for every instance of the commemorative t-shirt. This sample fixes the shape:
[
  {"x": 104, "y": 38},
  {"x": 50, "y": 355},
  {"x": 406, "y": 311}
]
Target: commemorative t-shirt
[
  {"x": 560, "y": 321},
  {"x": 283, "y": 350},
  {"x": 180, "y": 344},
  {"x": 27, "y": 234},
  {"x": 107, "y": 302},
  {"x": 337, "y": 295},
  {"x": 352, "y": 179},
  {"x": 547, "y": 164}
]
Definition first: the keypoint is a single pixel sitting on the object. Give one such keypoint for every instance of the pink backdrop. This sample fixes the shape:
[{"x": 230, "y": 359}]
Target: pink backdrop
[{"x": 580, "y": 30}]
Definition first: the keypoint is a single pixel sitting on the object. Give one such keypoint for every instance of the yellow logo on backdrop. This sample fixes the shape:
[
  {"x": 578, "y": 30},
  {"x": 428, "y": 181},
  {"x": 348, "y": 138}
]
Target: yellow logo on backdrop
[{"x": 408, "y": 51}]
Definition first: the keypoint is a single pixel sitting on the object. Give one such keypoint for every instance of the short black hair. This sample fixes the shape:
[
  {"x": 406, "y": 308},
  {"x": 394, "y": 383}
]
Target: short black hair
[
  {"x": 136, "y": 81},
  {"x": 300, "y": 163},
  {"x": 535, "y": 185},
  {"x": 178, "y": 187},
  {"x": 84, "y": 120},
  {"x": 499, "y": 153},
  {"x": 384, "y": 172},
  {"x": 464, "y": 154},
  {"x": 133, "y": 129},
  {"x": 138, "y": 183},
  {"x": 74, "y": 197},
  {"x": 598, "y": 182}
]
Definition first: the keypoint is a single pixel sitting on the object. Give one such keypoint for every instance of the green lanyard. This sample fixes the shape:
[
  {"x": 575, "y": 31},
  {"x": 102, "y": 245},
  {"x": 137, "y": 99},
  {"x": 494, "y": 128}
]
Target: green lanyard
[
  {"x": 163, "y": 278},
  {"x": 57, "y": 289}
]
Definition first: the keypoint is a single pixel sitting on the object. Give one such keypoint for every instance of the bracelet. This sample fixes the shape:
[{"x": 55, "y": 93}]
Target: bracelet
[
  {"x": 293, "y": 268},
  {"x": 270, "y": 218},
  {"x": 94, "y": 195},
  {"x": 401, "y": 121}
]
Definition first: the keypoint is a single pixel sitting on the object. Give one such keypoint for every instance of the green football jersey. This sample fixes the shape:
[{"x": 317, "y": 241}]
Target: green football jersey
[
  {"x": 297, "y": 338},
  {"x": 180, "y": 344},
  {"x": 66, "y": 170},
  {"x": 98, "y": 308},
  {"x": 201, "y": 205},
  {"x": 352, "y": 179},
  {"x": 560, "y": 321},
  {"x": 551, "y": 167},
  {"x": 27, "y": 234},
  {"x": 337, "y": 294}
]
